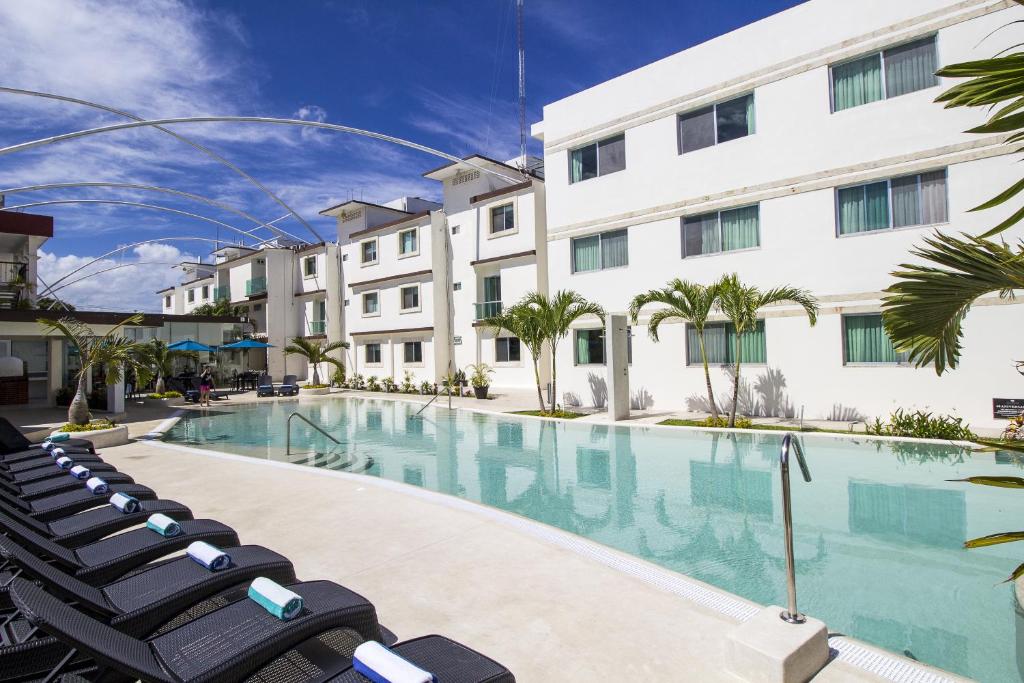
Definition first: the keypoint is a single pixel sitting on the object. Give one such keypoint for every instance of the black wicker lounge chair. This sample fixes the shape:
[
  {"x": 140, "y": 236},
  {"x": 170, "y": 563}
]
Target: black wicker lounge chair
[
  {"x": 105, "y": 560},
  {"x": 288, "y": 386},
  {"x": 265, "y": 386},
  {"x": 12, "y": 483},
  {"x": 72, "y": 502},
  {"x": 214, "y": 646},
  {"x": 77, "y": 530},
  {"x": 8, "y": 470},
  {"x": 51, "y": 487},
  {"x": 13, "y": 441},
  {"x": 449, "y": 661}
]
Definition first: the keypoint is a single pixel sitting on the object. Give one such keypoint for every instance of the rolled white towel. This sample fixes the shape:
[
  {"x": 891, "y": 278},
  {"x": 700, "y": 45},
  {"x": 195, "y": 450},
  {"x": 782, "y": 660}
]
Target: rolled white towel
[
  {"x": 275, "y": 598},
  {"x": 380, "y": 664},
  {"x": 125, "y": 503},
  {"x": 65, "y": 463},
  {"x": 47, "y": 445},
  {"x": 57, "y": 453},
  {"x": 97, "y": 486},
  {"x": 209, "y": 556},
  {"x": 163, "y": 525},
  {"x": 80, "y": 472}
]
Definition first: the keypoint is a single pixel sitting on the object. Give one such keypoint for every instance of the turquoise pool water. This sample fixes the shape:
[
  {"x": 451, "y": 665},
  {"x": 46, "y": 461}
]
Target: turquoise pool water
[{"x": 877, "y": 533}]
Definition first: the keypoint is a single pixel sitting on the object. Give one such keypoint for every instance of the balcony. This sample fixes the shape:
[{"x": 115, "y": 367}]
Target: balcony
[
  {"x": 257, "y": 285},
  {"x": 13, "y": 273},
  {"x": 486, "y": 309},
  {"x": 317, "y": 327},
  {"x": 222, "y": 293}
]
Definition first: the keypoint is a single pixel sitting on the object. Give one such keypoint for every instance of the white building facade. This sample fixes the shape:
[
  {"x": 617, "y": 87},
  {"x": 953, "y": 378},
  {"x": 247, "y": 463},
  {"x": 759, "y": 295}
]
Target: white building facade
[{"x": 802, "y": 150}]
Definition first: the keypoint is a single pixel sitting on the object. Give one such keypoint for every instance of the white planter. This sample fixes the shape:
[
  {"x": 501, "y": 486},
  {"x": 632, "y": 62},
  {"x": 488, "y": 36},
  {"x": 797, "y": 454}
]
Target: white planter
[
  {"x": 104, "y": 438},
  {"x": 314, "y": 392},
  {"x": 163, "y": 402}
]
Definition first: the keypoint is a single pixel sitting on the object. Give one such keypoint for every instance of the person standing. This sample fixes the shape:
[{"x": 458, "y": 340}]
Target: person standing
[{"x": 205, "y": 386}]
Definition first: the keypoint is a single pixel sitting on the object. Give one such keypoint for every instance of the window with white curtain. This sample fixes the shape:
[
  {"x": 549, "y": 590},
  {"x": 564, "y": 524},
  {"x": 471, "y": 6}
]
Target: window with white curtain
[
  {"x": 502, "y": 218},
  {"x": 601, "y": 251},
  {"x": 597, "y": 159},
  {"x": 408, "y": 242},
  {"x": 719, "y": 231},
  {"x": 371, "y": 303},
  {"x": 890, "y": 73},
  {"x": 716, "y": 124},
  {"x": 368, "y": 249},
  {"x": 919, "y": 199}
]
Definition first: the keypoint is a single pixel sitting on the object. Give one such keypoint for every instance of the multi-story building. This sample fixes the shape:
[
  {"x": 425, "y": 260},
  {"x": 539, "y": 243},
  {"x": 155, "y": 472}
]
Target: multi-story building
[{"x": 804, "y": 149}]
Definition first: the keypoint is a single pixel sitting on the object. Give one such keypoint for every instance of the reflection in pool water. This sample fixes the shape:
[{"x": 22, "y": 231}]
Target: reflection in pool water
[{"x": 878, "y": 533}]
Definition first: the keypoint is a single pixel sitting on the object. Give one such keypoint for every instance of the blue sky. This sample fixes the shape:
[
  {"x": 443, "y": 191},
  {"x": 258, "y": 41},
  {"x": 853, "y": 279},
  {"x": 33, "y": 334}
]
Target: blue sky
[{"x": 440, "y": 73}]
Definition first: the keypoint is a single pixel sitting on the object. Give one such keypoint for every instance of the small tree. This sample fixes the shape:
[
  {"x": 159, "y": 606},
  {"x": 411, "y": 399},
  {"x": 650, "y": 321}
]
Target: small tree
[
  {"x": 687, "y": 301},
  {"x": 111, "y": 351},
  {"x": 316, "y": 354},
  {"x": 527, "y": 324},
  {"x": 740, "y": 303},
  {"x": 161, "y": 359}
]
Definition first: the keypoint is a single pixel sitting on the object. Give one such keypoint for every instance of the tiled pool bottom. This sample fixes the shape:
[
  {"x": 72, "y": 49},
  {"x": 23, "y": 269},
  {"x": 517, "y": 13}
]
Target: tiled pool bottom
[{"x": 878, "y": 531}]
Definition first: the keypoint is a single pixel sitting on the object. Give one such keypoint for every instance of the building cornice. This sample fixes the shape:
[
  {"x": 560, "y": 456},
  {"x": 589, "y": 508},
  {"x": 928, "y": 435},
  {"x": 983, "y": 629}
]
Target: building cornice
[
  {"x": 391, "y": 224},
  {"x": 511, "y": 189},
  {"x": 504, "y": 257},
  {"x": 399, "y": 276},
  {"x": 380, "y": 333},
  {"x": 312, "y": 292}
]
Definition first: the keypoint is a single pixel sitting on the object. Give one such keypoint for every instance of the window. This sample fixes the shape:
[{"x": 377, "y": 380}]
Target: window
[
  {"x": 309, "y": 266},
  {"x": 456, "y": 286},
  {"x": 191, "y": 295},
  {"x": 866, "y": 341},
  {"x": 502, "y": 218},
  {"x": 720, "y": 344},
  {"x": 711, "y": 233},
  {"x": 716, "y": 124},
  {"x": 597, "y": 252},
  {"x": 206, "y": 291},
  {"x": 344, "y": 257},
  {"x": 408, "y": 243},
  {"x": 410, "y": 297},
  {"x": 590, "y": 347},
  {"x": 369, "y": 252},
  {"x": 506, "y": 350},
  {"x": 167, "y": 301},
  {"x": 372, "y": 353},
  {"x": 897, "y": 71},
  {"x": 258, "y": 307},
  {"x": 894, "y": 203},
  {"x": 320, "y": 310},
  {"x": 371, "y": 303},
  {"x": 413, "y": 352},
  {"x": 455, "y": 230},
  {"x": 598, "y": 158},
  {"x": 492, "y": 291}
]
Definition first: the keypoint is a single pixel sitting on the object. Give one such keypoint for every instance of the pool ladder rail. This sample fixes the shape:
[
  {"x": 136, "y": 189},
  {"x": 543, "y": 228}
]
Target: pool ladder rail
[
  {"x": 790, "y": 442},
  {"x": 288, "y": 438}
]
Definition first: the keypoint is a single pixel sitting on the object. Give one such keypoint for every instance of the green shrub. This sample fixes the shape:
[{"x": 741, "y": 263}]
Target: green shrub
[
  {"x": 741, "y": 422},
  {"x": 922, "y": 425},
  {"x": 357, "y": 382},
  {"x": 166, "y": 394},
  {"x": 428, "y": 388},
  {"x": 372, "y": 384},
  {"x": 408, "y": 383},
  {"x": 89, "y": 427},
  {"x": 315, "y": 386},
  {"x": 338, "y": 377},
  {"x": 389, "y": 385}
]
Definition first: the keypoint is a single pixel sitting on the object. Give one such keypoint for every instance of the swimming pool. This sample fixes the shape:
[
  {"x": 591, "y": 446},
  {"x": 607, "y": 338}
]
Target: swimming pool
[{"x": 878, "y": 532}]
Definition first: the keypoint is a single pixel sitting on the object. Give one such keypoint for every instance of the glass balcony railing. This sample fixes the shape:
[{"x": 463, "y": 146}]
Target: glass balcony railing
[
  {"x": 257, "y": 285},
  {"x": 486, "y": 309},
  {"x": 318, "y": 327},
  {"x": 222, "y": 293}
]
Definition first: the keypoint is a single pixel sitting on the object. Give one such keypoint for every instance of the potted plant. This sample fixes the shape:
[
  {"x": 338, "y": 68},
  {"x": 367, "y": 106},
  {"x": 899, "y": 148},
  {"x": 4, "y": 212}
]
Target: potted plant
[{"x": 480, "y": 379}]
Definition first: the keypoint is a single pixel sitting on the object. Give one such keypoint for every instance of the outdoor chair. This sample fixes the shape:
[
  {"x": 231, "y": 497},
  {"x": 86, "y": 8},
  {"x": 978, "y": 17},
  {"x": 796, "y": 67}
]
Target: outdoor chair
[
  {"x": 76, "y": 530},
  {"x": 447, "y": 660},
  {"x": 13, "y": 442},
  {"x": 288, "y": 386},
  {"x": 72, "y": 502},
  {"x": 265, "y": 387},
  {"x": 39, "y": 488}
]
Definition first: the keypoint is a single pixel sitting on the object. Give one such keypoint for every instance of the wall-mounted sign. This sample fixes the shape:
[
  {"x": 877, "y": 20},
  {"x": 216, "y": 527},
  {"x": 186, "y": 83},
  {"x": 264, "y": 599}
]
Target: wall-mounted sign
[
  {"x": 1007, "y": 407},
  {"x": 457, "y": 340}
]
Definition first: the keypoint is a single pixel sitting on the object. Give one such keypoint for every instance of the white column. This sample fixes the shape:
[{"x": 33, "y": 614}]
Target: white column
[
  {"x": 617, "y": 366},
  {"x": 115, "y": 398}
]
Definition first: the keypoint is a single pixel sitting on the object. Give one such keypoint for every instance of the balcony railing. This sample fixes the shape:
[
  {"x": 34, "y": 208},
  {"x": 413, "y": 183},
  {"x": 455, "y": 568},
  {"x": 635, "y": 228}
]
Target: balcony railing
[
  {"x": 257, "y": 285},
  {"x": 318, "y": 327},
  {"x": 486, "y": 309},
  {"x": 13, "y": 272},
  {"x": 222, "y": 293}
]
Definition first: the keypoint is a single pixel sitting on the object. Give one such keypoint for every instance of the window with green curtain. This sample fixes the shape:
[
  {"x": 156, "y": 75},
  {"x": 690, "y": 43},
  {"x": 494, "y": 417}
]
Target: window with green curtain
[
  {"x": 734, "y": 119},
  {"x": 492, "y": 288},
  {"x": 866, "y": 340},
  {"x": 910, "y": 67},
  {"x": 863, "y": 208},
  {"x": 725, "y": 231},
  {"x": 590, "y": 347},
  {"x": 408, "y": 241},
  {"x": 614, "y": 249},
  {"x": 586, "y": 254},
  {"x": 740, "y": 228},
  {"x": 701, "y": 235},
  {"x": 720, "y": 344},
  {"x": 583, "y": 163},
  {"x": 857, "y": 82}
]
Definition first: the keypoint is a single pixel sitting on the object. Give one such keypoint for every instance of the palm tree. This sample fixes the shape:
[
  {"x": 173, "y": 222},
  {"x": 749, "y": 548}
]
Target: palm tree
[
  {"x": 111, "y": 351},
  {"x": 557, "y": 314},
  {"x": 687, "y": 301},
  {"x": 740, "y": 303},
  {"x": 161, "y": 359},
  {"x": 316, "y": 354},
  {"x": 526, "y": 323}
]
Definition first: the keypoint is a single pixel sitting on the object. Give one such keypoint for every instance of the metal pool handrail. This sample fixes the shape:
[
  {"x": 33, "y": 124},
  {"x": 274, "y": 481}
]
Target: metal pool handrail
[
  {"x": 288, "y": 438},
  {"x": 791, "y": 615}
]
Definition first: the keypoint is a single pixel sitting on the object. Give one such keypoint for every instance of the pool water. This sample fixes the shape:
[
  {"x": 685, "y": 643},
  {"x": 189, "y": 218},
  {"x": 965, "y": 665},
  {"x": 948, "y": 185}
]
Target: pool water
[{"x": 878, "y": 533}]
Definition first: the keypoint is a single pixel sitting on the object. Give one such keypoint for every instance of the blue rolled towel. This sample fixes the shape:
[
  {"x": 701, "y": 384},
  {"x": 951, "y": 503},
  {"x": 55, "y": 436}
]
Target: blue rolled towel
[
  {"x": 58, "y": 436},
  {"x": 211, "y": 557},
  {"x": 125, "y": 503},
  {"x": 57, "y": 453},
  {"x": 163, "y": 525},
  {"x": 80, "y": 472},
  {"x": 65, "y": 463},
  {"x": 382, "y": 665},
  {"x": 97, "y": 486},
  {"x": 275, "y": 598}
]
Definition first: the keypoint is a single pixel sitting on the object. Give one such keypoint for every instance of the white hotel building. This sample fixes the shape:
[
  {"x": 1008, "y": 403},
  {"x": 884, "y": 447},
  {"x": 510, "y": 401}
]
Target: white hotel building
[{"x": 804, "y": 149}]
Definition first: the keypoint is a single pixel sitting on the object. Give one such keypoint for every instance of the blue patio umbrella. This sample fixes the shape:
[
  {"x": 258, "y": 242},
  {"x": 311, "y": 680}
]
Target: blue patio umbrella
[
  {"x": 247, "y": 344},
  {"x": 190, "y": 345}
]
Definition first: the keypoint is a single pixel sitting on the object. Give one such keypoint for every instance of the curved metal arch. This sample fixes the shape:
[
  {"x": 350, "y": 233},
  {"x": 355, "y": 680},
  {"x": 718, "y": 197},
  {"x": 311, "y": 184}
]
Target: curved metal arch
[
  {"x": 107, "y": 270},
  {"x": 124, "y": 247},
  {"x": 155, "y": 188},
  {"x": 205, "y": 150},
  {"x": 121, "y": 202},
  {"x": 255, "y": 119}
]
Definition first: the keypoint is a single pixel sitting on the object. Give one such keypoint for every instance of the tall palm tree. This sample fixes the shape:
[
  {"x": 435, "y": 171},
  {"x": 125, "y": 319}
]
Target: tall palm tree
[
  {"x": 740, "y": 303},
  {"x": 526, "y": 323},
  {"x": 558, "y": 313},
  {"x": 316, "y": 353},
  {"x": 111, "y": 351},
  {"x": 687, "y": 301}
]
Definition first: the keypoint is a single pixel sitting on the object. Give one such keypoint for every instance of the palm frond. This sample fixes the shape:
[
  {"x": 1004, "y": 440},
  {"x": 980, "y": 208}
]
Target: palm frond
[{"x": 794, "y": 295}]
